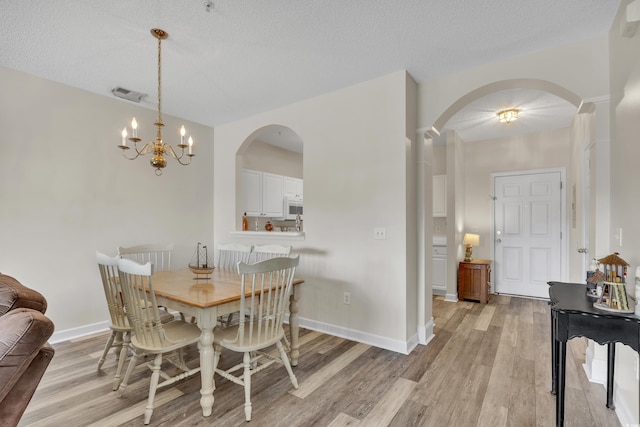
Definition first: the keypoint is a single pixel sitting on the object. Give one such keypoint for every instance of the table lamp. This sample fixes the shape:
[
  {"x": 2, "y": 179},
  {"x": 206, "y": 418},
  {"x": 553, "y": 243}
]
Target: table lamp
[{"x": 470, "y": 240}]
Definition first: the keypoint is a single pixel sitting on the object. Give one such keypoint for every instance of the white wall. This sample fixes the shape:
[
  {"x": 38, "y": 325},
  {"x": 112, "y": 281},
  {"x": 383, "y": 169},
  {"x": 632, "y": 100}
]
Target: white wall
[
  {"x": 267, "y": 158},
  {"x": 625, "y": 203},
  {"x": 355, "y": 179},
  {"x": 527, "y": 152},
  {"x": 67, "y": 192}
]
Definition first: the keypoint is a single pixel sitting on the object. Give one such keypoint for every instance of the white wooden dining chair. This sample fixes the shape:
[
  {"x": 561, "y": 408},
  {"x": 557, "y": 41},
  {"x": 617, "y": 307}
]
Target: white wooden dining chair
[
  {"x": 150, "y": 335},
  {"x": 157, "y": 254},
  {"x": 120, "y": 329},
  {"x": 265, "y": 291},
  {"x": 120, "y": 336},
  {"x": 230, "y": 254},
  {"x": 260, "y": 253}
]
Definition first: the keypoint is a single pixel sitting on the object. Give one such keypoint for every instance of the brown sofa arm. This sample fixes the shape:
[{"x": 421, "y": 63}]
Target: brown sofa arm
[
  {"x": 24, "y": 357},
  {"x": 14, "y": 294}
]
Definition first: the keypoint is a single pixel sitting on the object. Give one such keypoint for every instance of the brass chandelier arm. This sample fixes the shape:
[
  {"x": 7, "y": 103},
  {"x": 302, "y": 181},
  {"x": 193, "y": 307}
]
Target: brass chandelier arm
[
  {"x": 171, "y": 151},
  {"x": 146, "y": 149}
]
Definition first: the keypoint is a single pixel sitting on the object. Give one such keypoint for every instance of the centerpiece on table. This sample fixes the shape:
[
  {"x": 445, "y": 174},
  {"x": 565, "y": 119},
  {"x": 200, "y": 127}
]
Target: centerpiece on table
[{"x": 201, "y": 264}]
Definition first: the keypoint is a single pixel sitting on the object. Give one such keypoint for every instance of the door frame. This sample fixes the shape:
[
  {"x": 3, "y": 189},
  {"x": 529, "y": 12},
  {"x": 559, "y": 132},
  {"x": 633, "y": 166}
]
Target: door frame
[{"x": 564, "y": 244}]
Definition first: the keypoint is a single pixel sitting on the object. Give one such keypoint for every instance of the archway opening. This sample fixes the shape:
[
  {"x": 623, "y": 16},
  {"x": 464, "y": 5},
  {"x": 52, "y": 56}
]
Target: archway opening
[{"x": 269, "y": 171}]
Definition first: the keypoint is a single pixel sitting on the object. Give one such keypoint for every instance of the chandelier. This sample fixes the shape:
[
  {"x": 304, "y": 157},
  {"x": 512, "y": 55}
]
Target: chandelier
[
  {"x": 508, "y": 116},
  {"x": 157, "y": 147}
]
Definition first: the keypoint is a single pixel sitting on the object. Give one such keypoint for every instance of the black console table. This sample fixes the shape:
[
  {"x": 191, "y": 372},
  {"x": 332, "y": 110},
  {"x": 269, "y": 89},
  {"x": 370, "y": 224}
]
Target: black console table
[{"x": 573, "y": 315}]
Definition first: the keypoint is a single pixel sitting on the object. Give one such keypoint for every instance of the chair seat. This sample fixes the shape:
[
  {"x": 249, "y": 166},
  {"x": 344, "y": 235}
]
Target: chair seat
[
  {"x": 178, "y": 332},
  {"x": 226, "y": 337}
]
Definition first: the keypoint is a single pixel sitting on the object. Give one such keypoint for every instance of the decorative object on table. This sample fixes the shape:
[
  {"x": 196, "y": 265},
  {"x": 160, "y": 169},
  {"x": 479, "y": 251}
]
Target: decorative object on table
[
  {"x": 157, "y": 147},
  {"x": 268, "y": 226},
  {"x": 257, "y": 229},
  {"x": 469, "y": 241},
  {"x": 201, "y": 264},
  {"x": 245, "y": 222},
  {"x": 298, "y": 224},
  {"x": 594, "y": 278},
  {"x": 612, "y": 297},
  {"x": 614, "y": 268}
]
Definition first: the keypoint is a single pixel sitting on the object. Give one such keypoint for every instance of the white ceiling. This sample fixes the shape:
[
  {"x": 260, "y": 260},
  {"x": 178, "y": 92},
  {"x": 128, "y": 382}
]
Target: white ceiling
[{"x": 244, "y": 57}]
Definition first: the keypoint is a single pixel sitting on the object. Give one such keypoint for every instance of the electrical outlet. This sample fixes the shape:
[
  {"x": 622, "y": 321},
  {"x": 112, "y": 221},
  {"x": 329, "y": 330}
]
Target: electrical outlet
[
  {"x": 347, "y": 298},
  {"x": 380, "y": 233}
]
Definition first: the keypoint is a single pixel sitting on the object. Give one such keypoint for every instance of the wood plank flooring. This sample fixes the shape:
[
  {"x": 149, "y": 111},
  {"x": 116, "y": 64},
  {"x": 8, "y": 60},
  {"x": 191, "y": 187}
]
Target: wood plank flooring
[{"x": 488, "y": 365}]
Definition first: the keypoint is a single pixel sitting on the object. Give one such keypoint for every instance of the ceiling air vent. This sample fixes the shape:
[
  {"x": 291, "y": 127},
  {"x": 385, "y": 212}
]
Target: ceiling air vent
[{"x": 127, "y": 94}]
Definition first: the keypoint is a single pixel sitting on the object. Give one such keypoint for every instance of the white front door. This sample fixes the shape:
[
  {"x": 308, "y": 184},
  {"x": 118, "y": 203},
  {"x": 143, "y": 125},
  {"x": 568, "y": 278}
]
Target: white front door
[{"x": 528, "y": 224}]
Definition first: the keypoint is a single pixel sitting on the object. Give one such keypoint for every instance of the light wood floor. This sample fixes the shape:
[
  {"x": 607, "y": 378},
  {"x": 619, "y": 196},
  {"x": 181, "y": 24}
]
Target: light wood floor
[{"x": 488, "y": 365}]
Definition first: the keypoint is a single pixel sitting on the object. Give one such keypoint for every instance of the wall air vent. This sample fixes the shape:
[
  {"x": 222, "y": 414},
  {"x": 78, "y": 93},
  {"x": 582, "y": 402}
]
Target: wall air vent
[{"x": 127, "y": 94}]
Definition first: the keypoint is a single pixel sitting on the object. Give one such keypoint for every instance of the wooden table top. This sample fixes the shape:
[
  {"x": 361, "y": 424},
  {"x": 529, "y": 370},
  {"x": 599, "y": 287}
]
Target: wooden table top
[{"x": 182, "y": 286}]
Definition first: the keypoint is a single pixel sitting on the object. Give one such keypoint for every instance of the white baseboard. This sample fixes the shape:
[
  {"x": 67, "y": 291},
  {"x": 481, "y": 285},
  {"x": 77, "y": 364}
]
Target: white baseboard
[
  {"x": 451, "y": 297},
  {"x": 626, "y": 416},
  {"x": 79, "y": 332},
  {"x": 596, "y": 369},
  {"x": 405, "y": 347},
  {"x": 425, "y": 333}
]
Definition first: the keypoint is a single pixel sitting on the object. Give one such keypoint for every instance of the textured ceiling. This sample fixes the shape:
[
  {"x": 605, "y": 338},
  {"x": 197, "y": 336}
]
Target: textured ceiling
[{"x": 244, "y": 57}]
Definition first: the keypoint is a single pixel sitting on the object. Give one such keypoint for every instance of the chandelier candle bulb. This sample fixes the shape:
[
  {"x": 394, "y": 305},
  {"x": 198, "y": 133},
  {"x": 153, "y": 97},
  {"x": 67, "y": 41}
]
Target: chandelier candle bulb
[
  {"x": 124, "y": 137},
  {"x": 182, "y": 132},
  {"x": 134, "y": 128},
  {"x": 190, "y": 145}
]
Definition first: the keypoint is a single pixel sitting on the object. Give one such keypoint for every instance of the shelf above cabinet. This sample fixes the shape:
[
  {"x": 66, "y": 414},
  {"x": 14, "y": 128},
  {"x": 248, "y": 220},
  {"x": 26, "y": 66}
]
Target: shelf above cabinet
[{"x": 275, "y": 235}]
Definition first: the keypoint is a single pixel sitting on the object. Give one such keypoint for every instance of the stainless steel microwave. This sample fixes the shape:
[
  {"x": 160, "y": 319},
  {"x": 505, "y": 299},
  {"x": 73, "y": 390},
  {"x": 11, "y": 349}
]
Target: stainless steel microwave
[{"x": 292, "y": 207}]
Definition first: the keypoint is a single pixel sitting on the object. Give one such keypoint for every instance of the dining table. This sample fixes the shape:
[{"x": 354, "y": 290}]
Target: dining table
[{"x": 205, "y": 298}]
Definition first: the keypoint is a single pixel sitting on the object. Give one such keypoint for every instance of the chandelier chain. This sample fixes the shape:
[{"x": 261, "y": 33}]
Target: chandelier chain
[{"x": 159, "y": 79}]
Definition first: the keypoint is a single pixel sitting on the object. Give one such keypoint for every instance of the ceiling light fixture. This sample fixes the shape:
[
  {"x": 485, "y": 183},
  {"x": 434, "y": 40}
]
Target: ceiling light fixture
[
  {"x": 157, "y": 147},
  {"x": 508, "y": 116}
]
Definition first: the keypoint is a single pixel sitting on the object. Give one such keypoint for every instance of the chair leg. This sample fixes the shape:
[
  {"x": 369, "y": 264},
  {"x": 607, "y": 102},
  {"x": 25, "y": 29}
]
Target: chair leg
[
  {"x": 287, "y": 365},
  {"x": 107, "y": 346},
  {"x": 123, "y": 356},
  {"x": 125, "y": 380},
  {"x": 153, "y": 385},
  {"x": 247, "y": 385}
]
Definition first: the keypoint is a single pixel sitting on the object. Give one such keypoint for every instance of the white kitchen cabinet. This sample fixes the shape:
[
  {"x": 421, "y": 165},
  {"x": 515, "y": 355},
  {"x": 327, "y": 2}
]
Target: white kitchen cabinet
[
  {"x": 292, "y": 187},
  {"x": 272, "y": 195},
  {"x": 262, "y": 194},
  {"x": 439, "y": 195},
  {"x": 439, "y": 266},
  {"x": 252, "y": 192}
]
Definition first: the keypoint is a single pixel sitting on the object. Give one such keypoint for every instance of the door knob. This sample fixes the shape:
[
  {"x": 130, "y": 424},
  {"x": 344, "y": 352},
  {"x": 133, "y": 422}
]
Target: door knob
[
  {"x": 498, "y": 240},
  {"x": 583, "y": 250}
]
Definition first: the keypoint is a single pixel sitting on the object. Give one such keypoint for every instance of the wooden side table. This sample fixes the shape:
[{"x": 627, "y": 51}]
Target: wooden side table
[{"x": 474, "y": 280}]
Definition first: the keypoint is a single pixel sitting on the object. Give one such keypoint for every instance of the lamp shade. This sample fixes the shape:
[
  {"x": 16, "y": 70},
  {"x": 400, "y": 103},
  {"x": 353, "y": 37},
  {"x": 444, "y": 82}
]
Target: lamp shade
[{"x": 471, "y": 239}]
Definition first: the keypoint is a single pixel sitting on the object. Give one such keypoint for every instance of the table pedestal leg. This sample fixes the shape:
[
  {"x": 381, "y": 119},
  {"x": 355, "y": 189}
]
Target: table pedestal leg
[
  {"x": 206, "y": 322},
  {"x": 611, "y": 361},
  {"x": 294, "y": 326}
]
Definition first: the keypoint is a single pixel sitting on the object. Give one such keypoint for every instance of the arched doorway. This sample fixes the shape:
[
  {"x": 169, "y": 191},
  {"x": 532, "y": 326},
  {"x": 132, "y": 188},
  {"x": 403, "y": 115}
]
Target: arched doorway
[{"x": 466, "y": 111}]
